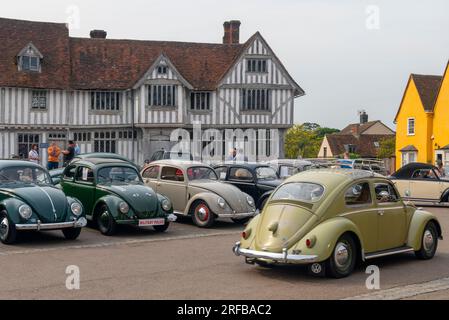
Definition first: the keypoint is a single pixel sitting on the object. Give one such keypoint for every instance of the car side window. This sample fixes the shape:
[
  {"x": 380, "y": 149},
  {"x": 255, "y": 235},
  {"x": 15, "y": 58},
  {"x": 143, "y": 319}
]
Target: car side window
[
  {"x": 85, "y": 175},
  {"x": 69, "y": 173},
  {"x": 240, "y": 174},
  {"x": 358, "y": 194},
  {"x": 221, "y": 172},
  {"x": 385, "y": 193},
  {"x": 424, "y": 174},
  {"x": 172, "y": 174},
  {"x": 151, "y": 172}
]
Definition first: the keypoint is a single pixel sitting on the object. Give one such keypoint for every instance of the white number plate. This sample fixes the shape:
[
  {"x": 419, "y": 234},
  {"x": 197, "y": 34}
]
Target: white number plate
[{"x": 151, "y": 222}]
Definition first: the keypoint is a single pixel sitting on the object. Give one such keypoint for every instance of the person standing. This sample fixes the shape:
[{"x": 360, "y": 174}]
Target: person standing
[
  {"x": 53, "y": 156},
  {"x": 33, "y": 155},
  {"x": 69, "y": 154},
  {"x": 77, "y": 148},
  {"x": 441, "y": 172}
]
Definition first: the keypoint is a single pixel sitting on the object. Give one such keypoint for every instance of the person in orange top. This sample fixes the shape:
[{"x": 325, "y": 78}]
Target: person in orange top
[{"x": 53, "y": 156}]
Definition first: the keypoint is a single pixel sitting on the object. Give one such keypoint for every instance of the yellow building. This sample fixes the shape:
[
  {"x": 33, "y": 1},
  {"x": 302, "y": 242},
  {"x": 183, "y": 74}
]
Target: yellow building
[{"x": 422, "y": 132}]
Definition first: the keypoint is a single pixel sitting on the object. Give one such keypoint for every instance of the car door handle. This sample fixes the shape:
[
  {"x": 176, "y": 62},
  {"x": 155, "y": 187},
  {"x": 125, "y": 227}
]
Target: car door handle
[{"x": 381, "y": 212}]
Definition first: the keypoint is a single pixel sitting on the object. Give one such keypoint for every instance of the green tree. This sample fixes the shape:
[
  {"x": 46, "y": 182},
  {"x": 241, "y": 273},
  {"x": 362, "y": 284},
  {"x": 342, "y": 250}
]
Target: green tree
[
  {"x": 387, "y": 147},
  {"x": 305, "y": 140}
]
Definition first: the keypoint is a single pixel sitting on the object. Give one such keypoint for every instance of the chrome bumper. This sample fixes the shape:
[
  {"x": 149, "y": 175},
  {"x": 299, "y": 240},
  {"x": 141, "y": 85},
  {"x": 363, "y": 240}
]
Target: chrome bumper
[
  {"x": 80, "y": 223},
  {"x": 237, "y": 215},
  {"x": 283, "y": 257}
]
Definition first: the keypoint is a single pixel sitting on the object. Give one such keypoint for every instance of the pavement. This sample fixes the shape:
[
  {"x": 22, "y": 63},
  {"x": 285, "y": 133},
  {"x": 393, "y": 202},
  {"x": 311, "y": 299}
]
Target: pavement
[{"x": 187, "y": 262}]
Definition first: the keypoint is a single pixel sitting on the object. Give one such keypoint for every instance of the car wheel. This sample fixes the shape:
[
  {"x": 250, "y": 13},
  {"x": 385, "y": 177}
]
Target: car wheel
[
  {"x": 241, "y": 220},
  {"x": 106, "y": 222},
  {"x": 429, "y": 242},
  {"x": 8, "y": 232},
  {"x": 342, "y": 261},
  {"x": 71, "y": 233},
  {"x": 162, "y": 228},
  {"x": 202, "y": 215}
]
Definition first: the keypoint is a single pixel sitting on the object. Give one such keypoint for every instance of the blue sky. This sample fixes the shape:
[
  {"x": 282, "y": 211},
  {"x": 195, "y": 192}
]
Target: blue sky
[{"x": 346, "y": 54}]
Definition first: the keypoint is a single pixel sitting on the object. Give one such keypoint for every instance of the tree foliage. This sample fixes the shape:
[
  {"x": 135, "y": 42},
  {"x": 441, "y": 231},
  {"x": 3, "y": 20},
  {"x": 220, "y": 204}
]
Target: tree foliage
[
  {"x": 387, "y": 147},
  {"x": 304, "y": 141}
]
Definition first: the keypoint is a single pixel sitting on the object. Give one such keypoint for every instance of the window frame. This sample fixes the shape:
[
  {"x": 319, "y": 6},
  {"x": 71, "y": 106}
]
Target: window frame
[
  {"x": 101, "y": 137},
  {"x": 184, "y": 178},
  {"x": 40, "y": 94},
  {"x": 85, "y": 182},
  {"x": 150, "y": 168},
  {"x": 409, "y": 127},
  {"x": 233, "y": 178},
  {"x": 251, "y": 100},
  {"x": 256, "y": 65},
  {"x": 197, "y": 99},
  {"x": 106, "y": 101},
  {"x": 359, "y": 205},
  {"x": 391, "y": 187},
  {"x": 158, "y": 96}
]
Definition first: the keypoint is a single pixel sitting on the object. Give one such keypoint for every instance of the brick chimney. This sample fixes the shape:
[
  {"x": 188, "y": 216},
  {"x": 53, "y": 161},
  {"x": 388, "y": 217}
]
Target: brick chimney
[
  {"x": 231, "y": 32},
  {"x": 98, "y": 34}
]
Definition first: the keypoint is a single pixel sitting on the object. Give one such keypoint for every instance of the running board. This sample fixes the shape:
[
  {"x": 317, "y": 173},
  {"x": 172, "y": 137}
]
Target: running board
[{"x": 384, "y": 253}]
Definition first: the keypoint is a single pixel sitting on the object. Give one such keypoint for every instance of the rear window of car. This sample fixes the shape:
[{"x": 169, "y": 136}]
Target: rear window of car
[
  {"x": 240, "y": 174},
  {"x": 300, "y": 191}
]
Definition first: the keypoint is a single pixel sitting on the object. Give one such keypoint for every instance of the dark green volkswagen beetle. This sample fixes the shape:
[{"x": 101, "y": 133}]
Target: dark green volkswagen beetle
[
  {"x": 112, "y": 193},
  {"x": 29, "y": 201}
]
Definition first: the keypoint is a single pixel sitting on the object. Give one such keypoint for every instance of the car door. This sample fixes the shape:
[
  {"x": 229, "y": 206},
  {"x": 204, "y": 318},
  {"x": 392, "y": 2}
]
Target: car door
[
  {"x": 392, "y": 217},
  {"x": 243, "y": 179},
  {"x": 84, "y": 188},
  {"x": 150, "y": 177},
  {"x": 173, "y": 184},
  {"x": 425, "y": 185},
  {"x": 361, "y": 211}
]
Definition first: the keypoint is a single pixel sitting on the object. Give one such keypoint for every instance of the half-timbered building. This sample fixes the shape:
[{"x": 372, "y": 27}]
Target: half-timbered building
[{"x": 127, "y": 96}]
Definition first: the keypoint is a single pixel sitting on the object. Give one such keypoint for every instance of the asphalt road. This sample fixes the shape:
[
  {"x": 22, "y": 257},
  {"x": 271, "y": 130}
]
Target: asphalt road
[{"x": 191, "y": 263}]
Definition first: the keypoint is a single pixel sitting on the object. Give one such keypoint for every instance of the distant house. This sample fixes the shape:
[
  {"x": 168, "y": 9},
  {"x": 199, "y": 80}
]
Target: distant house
[
  {"x": 361, "y": 138},
  {"x": 421, "y": 121}
]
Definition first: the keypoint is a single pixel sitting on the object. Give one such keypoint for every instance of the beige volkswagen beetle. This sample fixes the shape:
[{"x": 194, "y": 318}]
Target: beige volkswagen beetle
[
  {"x": 195, "y": 191},
  {"x": 329, "y": 219}
]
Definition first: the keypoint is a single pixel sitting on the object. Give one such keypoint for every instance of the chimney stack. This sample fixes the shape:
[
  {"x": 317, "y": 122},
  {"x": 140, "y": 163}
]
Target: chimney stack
[
  {"x": 98, "y": 34},
  {"x": 231, "y": 32},
  {"x": 363, "y": 117}
]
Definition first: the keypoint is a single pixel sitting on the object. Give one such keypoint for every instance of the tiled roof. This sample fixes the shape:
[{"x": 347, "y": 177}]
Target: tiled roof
[
  {"x": 357, "y": 127},
  {"x": 52, "y": 40},
  {"x": 119, "y": 64},
  {"x": 410, "y": 147},
  {"x": 84, "y": 63},
  {"x": 428, "y": 87},
  {"x": 365, "y": 144}
]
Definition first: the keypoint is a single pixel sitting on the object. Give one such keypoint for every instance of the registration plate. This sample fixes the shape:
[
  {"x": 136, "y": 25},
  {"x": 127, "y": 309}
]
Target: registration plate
[{"x": 151, "y": 222}]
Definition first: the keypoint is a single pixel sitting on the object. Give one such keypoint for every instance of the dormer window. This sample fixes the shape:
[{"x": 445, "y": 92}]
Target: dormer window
[{"x": 29, "y": 59}]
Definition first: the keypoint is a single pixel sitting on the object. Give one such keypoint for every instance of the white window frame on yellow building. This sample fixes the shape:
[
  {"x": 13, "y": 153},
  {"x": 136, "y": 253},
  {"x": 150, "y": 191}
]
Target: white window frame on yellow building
[
  {"x": 406, "y": 159},
  {"x": 408, "y": 126}
]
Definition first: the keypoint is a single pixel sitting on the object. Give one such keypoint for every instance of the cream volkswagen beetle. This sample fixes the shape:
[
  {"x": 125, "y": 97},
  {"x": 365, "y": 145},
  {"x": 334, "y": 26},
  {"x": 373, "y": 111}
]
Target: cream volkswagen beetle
[{"x": 195, "y": 191}]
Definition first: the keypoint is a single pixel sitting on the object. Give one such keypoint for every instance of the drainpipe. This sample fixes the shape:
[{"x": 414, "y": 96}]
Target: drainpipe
[{"x": 132, "y": 126}]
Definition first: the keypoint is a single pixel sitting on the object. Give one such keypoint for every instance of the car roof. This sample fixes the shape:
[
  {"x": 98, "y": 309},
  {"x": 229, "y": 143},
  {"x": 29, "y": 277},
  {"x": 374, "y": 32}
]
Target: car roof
[
  {"x": 293, "y": 162},
  {"x": 408, "y": 169},
  {"x": 100, "y": 161},
  {"x": 15, "y": 163},
  {"x": 248, "y": 165},
  {"x": 178, "y": 163},
  {"x": 333, "y": 176}
]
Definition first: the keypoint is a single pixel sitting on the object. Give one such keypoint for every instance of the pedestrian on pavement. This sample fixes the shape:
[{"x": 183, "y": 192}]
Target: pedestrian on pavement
[
  {"x": 69, "y": 154},
  {"x": 33, "y": 155},
  {"x": 441, "y": 171},
  {"x": 53, "y": 156},
  {"x": 77, "y": 149}
]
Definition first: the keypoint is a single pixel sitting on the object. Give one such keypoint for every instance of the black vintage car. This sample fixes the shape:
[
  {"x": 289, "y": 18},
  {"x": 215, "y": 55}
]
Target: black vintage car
[{"x": 256, "y": 179}]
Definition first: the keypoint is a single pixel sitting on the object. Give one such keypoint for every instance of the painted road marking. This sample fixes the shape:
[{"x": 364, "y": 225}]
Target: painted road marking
[
  {"x": 119, "y": 243},
  {"x": 406, "y": 291}
]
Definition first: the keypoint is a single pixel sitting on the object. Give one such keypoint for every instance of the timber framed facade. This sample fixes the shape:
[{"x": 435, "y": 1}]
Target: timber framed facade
[{"x": 127, "y": 96}]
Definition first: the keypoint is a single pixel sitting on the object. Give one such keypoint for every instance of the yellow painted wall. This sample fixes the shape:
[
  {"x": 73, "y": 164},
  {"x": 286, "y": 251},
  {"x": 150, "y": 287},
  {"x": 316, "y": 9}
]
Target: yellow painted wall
[
  {"x": 412, "y": 107},
  {"x": 441, "y": 116}
]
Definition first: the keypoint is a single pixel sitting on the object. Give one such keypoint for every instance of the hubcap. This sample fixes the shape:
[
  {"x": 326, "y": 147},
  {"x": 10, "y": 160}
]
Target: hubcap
[
  {"x": 203, "y": 213},
  {"x": 4, "y": 227},
  {"x": 428, "y": 240},
  {"x": 104, "y": 219},
  {"x": 341, "y": 255}
]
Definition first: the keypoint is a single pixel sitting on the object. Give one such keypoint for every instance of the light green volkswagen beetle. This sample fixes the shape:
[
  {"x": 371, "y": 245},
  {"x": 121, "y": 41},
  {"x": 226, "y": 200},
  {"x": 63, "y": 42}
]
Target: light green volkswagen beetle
[{"x": 328, "y": 219}]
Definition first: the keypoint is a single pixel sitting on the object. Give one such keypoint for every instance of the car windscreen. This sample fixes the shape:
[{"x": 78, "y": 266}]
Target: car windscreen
[
  {"x": 266, "y": 173},
  {"x": 118, "y": 175},
  {"x": 23, "y": 174},
  {"x": 201, "y": 173},
  {"x": 299, "y": 191}
]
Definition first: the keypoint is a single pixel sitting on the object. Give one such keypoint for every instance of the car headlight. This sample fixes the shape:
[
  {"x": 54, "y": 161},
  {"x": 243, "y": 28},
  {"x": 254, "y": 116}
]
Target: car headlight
[
  {"x": 221, "y": 202},
  {"x": 76, "y": 208},
  {"x": 123, "y": 207},
  {"x": 250, "y": 201},
  {"x": 25, "y": 211},
  {"x": 166, "y": 205}
]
